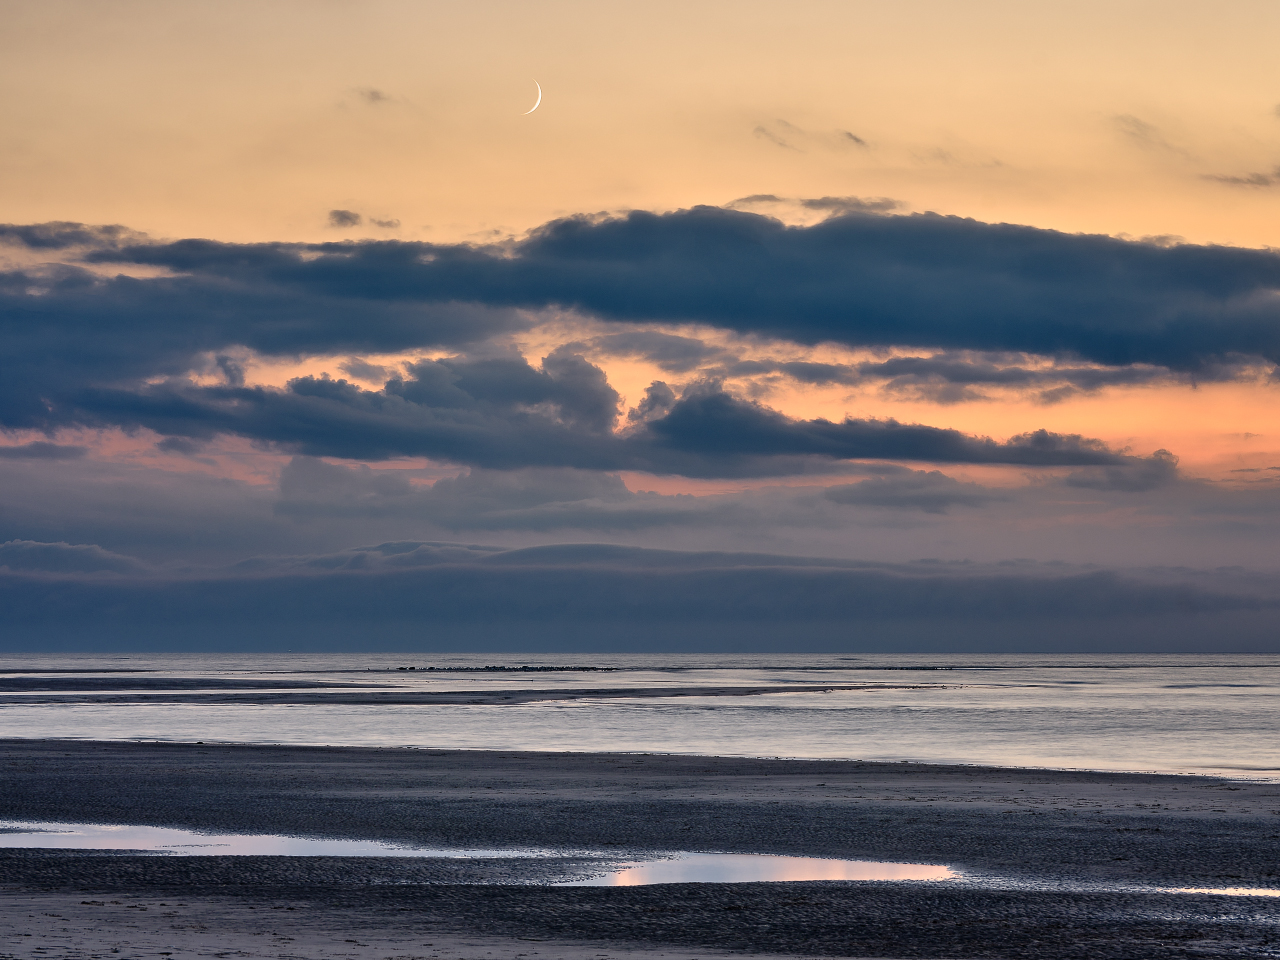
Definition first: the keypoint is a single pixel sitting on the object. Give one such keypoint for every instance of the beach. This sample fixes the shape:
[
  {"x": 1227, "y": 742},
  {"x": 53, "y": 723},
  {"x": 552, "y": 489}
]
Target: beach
[{"x": 1055, "y": 863}]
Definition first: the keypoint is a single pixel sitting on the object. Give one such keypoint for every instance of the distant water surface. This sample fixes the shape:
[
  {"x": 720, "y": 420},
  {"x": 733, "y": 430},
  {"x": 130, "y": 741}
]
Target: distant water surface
[{"x": 1190, "y": 714}]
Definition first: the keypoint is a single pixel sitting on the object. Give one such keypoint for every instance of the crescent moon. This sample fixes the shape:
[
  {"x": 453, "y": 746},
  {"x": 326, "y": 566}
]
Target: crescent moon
[{"x": 536, "y": 102}]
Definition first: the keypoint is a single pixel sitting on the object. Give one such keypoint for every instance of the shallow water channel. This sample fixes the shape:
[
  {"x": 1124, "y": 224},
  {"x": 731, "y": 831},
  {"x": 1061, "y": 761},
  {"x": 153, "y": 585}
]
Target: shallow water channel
[
  {"x": 613, "y": 870},
  {"x": 670, "y": 868}
]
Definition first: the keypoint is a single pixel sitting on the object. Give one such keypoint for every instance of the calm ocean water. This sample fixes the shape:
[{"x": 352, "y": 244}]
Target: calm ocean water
[{"x": 1192, "y": 714}]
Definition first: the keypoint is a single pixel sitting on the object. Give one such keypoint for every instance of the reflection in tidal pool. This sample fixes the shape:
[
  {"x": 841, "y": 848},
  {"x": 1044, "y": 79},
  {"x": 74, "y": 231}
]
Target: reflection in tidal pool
[
  {"x": 173, "y": 840},
  {"x": 754, "y": 868},
  {"x": 672, "y": 868}
]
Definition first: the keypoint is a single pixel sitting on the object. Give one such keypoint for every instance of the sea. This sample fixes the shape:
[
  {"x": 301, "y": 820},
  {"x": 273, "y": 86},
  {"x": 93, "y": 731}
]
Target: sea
[{"x": 1215, "y": 715}]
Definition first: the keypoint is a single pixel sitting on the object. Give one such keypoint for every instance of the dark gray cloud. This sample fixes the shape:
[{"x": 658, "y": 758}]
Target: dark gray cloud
[
  {"x": 832, "y": 205},
  {"x": 60, "y": 235},
  {"x": 67, "y": 332},
  {"x": 657, "y": 402},
  {"x": 671, "y": 352},
  {"x": 503, "y": 413},
  {"x": 344, "y": 218},
  {"x": 859, "y": 279},
  {"x": 85, "y": 350},
  {"x": 434, "y": 596},
  {"x": 363, "y": 370},
  {"x": 948, "y": 378},
  {"x": 955, "y": 377},
  {"x": 706, "y": 420}
]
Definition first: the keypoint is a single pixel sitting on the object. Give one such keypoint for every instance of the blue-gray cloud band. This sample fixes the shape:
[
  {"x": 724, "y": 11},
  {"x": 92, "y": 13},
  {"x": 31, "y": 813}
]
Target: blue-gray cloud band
[
  {"x": 859, "y": 279},
  {"x": 82, "y": 349}
]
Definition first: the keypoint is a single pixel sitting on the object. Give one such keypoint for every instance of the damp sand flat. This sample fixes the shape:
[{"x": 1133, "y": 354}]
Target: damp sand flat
[
  {"x": 240, "y": 692},
  {"x": 1067, "y": 826}
]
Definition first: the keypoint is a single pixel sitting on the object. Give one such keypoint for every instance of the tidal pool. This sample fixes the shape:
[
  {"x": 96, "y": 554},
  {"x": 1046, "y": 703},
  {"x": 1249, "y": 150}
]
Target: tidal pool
[
  {"x": 1231, "y": 891},
  {"x": 173, "y": 840},
  {"x": 669, "y": 868},
  {"x": 759, "y": 867}
]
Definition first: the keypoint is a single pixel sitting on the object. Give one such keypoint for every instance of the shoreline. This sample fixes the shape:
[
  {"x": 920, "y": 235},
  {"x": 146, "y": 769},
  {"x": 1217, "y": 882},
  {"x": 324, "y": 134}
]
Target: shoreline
[{"x": 1076, "y": 829}]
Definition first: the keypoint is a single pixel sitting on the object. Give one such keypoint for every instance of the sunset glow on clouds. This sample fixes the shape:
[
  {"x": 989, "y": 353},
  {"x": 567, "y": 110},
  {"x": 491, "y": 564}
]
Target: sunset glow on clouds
[{"x": 855, "y": 300}]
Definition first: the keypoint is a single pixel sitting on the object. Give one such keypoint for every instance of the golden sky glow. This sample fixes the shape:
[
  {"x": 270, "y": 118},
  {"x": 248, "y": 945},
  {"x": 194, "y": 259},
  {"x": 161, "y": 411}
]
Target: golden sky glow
[
  {"x": 315, "y": 120},
  {"x": 250, "y": 121}
]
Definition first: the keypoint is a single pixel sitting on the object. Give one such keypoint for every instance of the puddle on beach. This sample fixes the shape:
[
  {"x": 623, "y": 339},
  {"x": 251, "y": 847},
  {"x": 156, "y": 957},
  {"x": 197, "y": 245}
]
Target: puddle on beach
[
  {"x": 755, "y": 868},
  {"x": 673, "y": 868},
  {"x": 669, "y": 868},
  {"x": 1231, "y": 891},
  {"x": 97, "y": 836}
]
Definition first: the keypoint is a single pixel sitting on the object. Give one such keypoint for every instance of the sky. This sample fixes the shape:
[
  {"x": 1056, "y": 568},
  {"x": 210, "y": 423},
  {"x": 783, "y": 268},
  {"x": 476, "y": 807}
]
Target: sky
[{"x": 790, "y": 327}]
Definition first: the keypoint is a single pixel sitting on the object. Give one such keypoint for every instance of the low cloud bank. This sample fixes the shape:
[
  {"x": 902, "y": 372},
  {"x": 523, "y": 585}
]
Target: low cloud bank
[{"x": 433, "y": 596}]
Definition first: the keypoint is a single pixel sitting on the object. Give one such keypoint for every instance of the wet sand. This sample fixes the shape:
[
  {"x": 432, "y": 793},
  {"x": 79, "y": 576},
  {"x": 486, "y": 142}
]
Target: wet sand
[
  {"x": 79, "y": 691},
  {"x": 1061, "y": 845}
]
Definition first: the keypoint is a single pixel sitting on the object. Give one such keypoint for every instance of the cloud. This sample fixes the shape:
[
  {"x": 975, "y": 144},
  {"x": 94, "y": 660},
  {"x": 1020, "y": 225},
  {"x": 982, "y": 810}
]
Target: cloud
[
  {"x": 363, "y": 370},
  {"x": 532, "y": 499},
  {"x": 950, "y": 377},
  {"x": 503, "y": 413},
  {"x": 440, "y": 596},
  {"x": 386, "y": 224},
  {"x": 983, "y": 295},
  {"x": 1136, "y": 476},
  {"x": 64, "y": 558},
  {"x": 860, "y": 279},
  {"x": 60, "y": 235},
  {"x": 657, "y": 402},
  {"x": 1248, "y": 180},
  {"x": 706, "y": 420},
  {"x": 832, "y": 205},
  {"x": 344, "y": 218},
  {"x": 1144, "y": 134},
  {"x": 42, "y": 450},
  {"x": 179, "y": 445},
  {"x": 372, "y": 96},
  {"x": 668, "y": 351},
  {"x": 931, "y": 492},
  {"x": 953, "y": 376},
  {"x": 762, "y": 132},
  {"x": 156, "y": 509},
  {"x": 786, "y": 135},
  {"x": 124, "y": 333}
]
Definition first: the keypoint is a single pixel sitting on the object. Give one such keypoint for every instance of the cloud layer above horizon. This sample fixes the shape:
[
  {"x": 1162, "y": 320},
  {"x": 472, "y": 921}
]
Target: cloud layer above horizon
[{"x": 646, "y": 380}]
